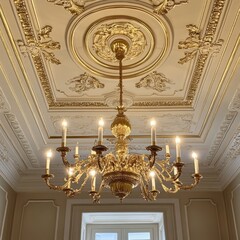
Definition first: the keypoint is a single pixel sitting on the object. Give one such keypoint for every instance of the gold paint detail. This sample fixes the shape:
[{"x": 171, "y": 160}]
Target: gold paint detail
[
  {"x": 74, "y": 7},
  {"x": 156, "y": 81},
  {"x": 42, "y": 45},
  {"x": 198, "y": 44},
  {"x": 162, "y": 7},
  {"x": 83, "y": 83},
  {"x": 107, "y": 32}
]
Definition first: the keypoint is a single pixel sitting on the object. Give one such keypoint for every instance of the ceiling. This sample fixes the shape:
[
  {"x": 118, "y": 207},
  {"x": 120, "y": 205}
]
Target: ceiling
[{"x": 182, "y": 69}]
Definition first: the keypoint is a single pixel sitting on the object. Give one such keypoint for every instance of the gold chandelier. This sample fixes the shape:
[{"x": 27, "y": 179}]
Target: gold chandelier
[{"x": 121, "y": 171}]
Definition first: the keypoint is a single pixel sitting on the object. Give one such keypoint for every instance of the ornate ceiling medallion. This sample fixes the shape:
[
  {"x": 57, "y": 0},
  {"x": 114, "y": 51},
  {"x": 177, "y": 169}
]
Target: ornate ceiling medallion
[
  {"x": 156, "y": 81},
  {"x": 90, "y": 36},
  {"x": 162, "y": 7},
  {"x": 198, "y": 44},
  {"x": 108, "y": 32},
  {"x": 83, "y": 83},
  {"x": 42, "y": 45}
]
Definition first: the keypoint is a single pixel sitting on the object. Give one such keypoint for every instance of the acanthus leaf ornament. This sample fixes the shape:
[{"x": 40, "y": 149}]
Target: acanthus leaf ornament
[
  {"x": 197, "y": 44},
  {"x": 156, "y": 81},
  {"x": 83, "y": 83},
  {"x": 162, "y": 7},
  {"x": 43, "y": 44},
  {"x": 74, "y": 7}
]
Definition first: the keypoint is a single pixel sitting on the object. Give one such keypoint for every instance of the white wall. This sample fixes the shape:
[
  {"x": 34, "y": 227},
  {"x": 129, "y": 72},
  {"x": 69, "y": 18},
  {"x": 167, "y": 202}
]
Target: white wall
[
  {"x": 188, "y": 215},
  {"x": 232, "y": 201},
  {"x": 7, "y": 205}
]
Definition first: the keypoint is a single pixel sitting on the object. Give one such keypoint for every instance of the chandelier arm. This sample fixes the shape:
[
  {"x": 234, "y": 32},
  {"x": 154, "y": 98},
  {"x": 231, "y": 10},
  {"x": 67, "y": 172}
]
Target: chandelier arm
[
  {"x": 196, "y": 177},
  {"x": 48, "y": 177},
  {"x": 78, "y": 190},
  {"x": 171, "y": 190},
  {"x": 96, "y": 195},
  {"x": 162, "y": 176},
  {"x": 145, "y": 191}
]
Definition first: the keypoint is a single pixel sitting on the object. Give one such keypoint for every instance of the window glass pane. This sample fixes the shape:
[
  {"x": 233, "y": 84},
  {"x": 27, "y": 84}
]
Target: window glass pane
[
  {"x": 106, "y": 236},
  {"x": 139, "y": 236}
]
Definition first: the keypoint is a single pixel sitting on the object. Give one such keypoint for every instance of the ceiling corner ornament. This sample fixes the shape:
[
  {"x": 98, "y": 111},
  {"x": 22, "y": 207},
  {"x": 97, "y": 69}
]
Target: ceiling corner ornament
[
  {"x": 162, "y": 7},
  {"x": 74, "y": 7},
  {"x": 43, "y": 44},
  {"x": 156, "y": 81},
  {"x": 83, "y": 83},
  {"x": 197, "y": 44},
  {"x": 108, "y": 32}
]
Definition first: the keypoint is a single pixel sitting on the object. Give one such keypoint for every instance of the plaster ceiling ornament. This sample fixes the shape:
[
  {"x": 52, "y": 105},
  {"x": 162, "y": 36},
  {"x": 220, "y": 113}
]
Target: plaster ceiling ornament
[
  {"x": 235, "y": 103},
  {"x": 111, "y": 99},
  {"x": 83, "y": 83},
  {"x": 108, "y": 32},
  {"x": 197, "y": 44},
  {"x": 156, "y": 81},
  {"x": 4, "y": 154},
  {"x": 234, "y": 150},
  {"x": 4, "y": 104},
  {"x": 75, "y": 7},
  {"x": 14, "y": 123},
  {"x": 223, "y": 129},
  {"x": 42, "y": 45},
  {"x": 162, "y": 7}
]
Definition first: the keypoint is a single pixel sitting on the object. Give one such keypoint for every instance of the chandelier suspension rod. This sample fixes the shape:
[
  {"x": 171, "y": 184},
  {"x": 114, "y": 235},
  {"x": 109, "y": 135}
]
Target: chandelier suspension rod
[{"x": 120, "y": 83}]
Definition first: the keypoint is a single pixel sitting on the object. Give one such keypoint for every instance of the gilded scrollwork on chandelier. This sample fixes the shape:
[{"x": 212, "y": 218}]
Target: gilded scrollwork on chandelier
[
  {"x": 75, "y": 7},
  {"x": 109, "y": 31},
  {"x": 196, "y": 44},
  {"x": 156, "y": 81},
  {"x": 162, "y": 7},
  {"x": 42, "y": 45},
  {"x": 83, "y": 83}
]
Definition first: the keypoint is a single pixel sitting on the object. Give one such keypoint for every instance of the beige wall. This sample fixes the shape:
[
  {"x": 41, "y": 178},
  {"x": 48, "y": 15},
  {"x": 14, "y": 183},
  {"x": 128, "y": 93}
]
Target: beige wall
[
  {"x": 188, "y": 215},
  {"x": 232, "y": 201},
  {"x": 7, "y": 205}
]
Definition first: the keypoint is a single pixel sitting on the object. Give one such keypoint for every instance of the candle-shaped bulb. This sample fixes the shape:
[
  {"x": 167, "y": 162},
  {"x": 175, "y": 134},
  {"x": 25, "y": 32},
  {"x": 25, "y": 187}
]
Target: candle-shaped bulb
[
  {"x": 100, "y": 131},
  {"x": 152, "y": 175},
  {"x": 64, "y": 133},
  {"x": 92, "y": 172},
  {"x": 167, "y": 149},
  {"x": 153, "y": 132},
  {"x": 178, "y": 153},
  {"x": 196, "y": 163},
  {"x": 76, "y": 149},
  {"x": 70, "y": 172},
  {"x": 49, "y": 155}
]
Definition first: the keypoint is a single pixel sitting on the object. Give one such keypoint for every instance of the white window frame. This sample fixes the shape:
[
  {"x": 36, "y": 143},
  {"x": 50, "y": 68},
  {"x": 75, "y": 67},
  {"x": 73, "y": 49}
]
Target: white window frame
[{"x": 122, "y": 230}]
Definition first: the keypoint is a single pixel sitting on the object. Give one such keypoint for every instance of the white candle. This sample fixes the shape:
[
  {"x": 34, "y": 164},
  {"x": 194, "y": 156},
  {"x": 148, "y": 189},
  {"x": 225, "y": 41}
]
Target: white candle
[
  {"x": 167, "y": 149},
  {"x": 64, "y": 133},
  {"x": 196, "y": 163},
  {"x": 76, "y": 149},
  {"x": 93, "y": 184},
  {"x": 100, "y": 131},
  {"x": 178, "y": 151},
  {"x": 153, "y": 132},
  {"x": 49, "y": 155},
  {"x": 175, "y": 171},
  {"x": 70, "y": 173},
  {"x": 152, "y": 174}
]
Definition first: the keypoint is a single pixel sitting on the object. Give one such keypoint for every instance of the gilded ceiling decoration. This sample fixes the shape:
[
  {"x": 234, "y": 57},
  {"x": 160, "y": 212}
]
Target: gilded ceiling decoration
[
  {"x": 106, "y": 32},
  {"x": 162, "y": 7},
  {"x": 197, "y": 44},
  {"x": 156, "y": 81},
  {"x": 43, "y": 44},
  {"x": 83, "y": 83},
  {"x": 74, "y": 7},
  {"x": 155, "y": 52}
]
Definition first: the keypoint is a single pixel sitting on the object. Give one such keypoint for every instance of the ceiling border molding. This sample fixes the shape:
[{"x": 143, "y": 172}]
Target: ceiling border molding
[
  {"x": 163, "y": 7},
  {"x": 43, "y": 44},
  {"x": 27, "y": 27},
  {"x": 223, "y": 129},
  {"x": 235, "y": 103},
  {"x": 13, "y": 122},
  {"x": 234, "y": 149},
  {"x": 4, "y": 104},
  {"x": 197, "y": 44}
]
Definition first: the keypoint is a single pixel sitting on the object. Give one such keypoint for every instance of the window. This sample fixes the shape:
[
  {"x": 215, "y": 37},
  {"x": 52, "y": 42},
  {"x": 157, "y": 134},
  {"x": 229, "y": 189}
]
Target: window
[{"x": 123, "y": 226}]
